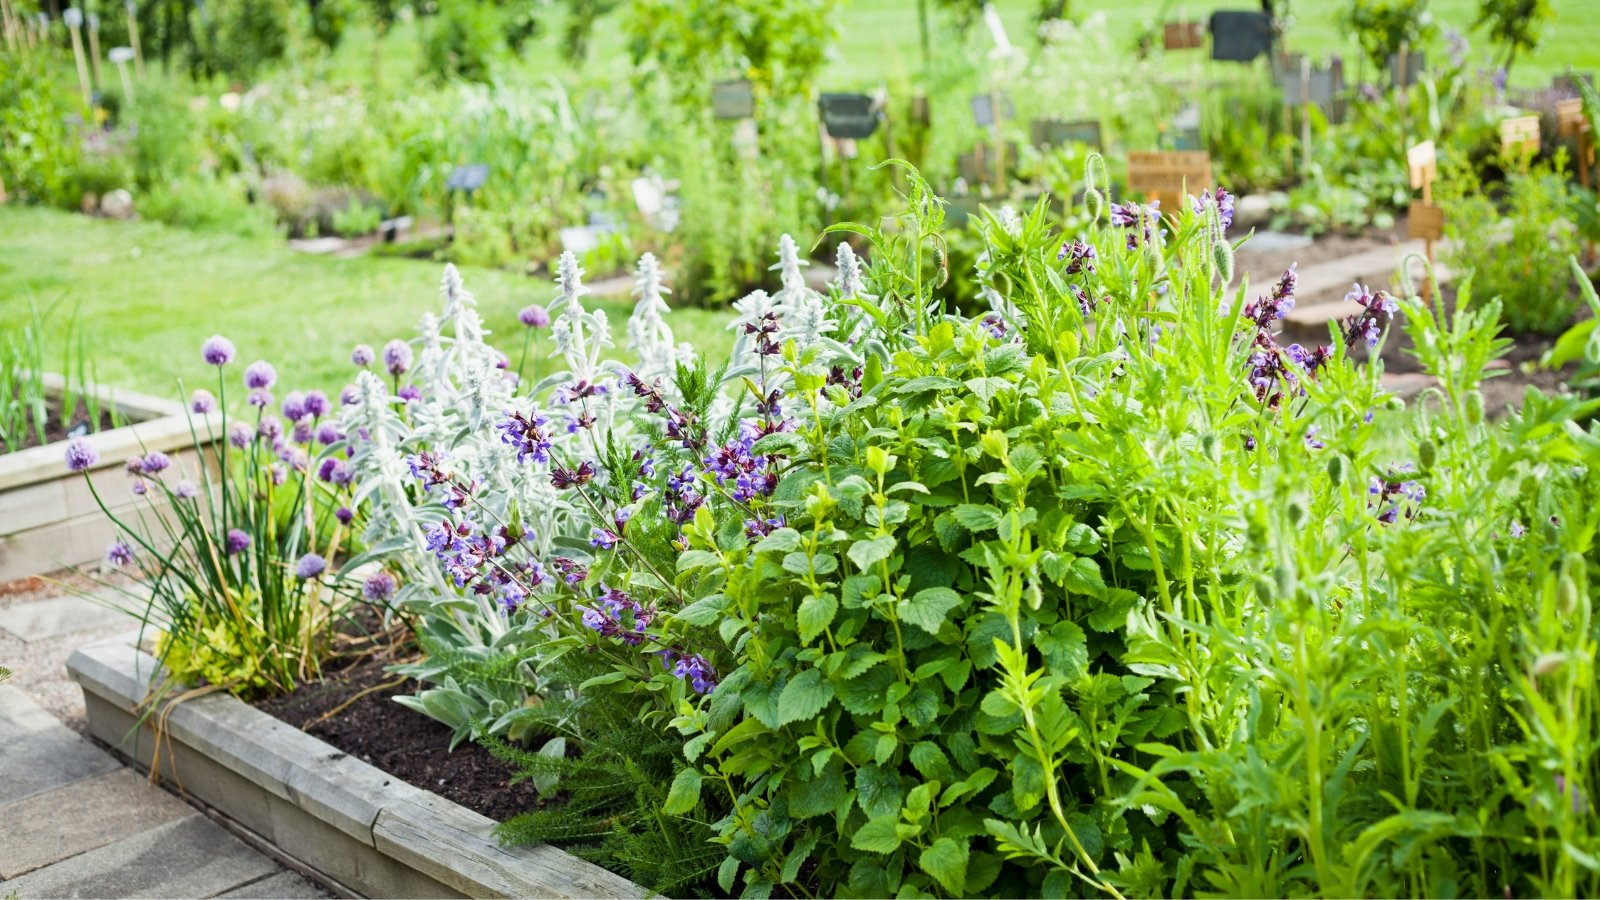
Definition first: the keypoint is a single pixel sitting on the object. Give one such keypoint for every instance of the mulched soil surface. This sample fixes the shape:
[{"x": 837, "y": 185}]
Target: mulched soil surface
[{"x": 404, "y": 743}]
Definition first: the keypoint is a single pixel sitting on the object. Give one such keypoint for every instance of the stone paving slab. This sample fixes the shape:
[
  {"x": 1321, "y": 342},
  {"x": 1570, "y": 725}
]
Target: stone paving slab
[
  {"x": 60, "y": 616},
  {"x": 282, "y": 886},
  {"x": 189, "y": 857},
  {"x": 38, "y": 753},
  {"x": 85, "y": 815}
]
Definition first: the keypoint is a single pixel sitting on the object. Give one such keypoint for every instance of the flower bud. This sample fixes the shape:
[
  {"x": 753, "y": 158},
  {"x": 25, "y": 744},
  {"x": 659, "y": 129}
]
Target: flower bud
[
  {"x": 1336, "y": 469},
  {"x": 1566, "y": 595},
  {"x": 1427, "y": 454},
  {"x": 1285, "y": 579},
  {"x": 1296, "y": 512},
  {"x": 1095, "y": 202},
  {"x": 1222, "y": 257},
  {"x": 1475, "y": 407}
]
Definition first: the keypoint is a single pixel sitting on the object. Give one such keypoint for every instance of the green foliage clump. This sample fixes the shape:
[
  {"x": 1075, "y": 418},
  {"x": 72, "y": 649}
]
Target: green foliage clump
[
  {"x": 1516, "y": 245},
  {"x": 39, "y": 151},
  {"x": 1381, "y": 27}
]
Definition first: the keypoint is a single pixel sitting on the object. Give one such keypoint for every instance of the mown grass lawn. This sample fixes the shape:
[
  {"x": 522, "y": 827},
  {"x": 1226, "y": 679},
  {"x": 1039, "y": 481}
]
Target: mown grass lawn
[
  {"x": 880, "y": 40},
  {"x": 144, "y": 296}
]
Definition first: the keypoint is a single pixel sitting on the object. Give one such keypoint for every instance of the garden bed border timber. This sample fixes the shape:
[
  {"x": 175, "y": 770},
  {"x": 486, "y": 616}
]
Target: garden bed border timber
[
  {"x": 49, "y": 519},
  {"x": 364, "y": 830}
]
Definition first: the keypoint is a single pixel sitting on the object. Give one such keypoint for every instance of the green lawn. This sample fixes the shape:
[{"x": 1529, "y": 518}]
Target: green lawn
[
  {"x": 145, "y": 296},
  {"x": 879, "y": 39}
]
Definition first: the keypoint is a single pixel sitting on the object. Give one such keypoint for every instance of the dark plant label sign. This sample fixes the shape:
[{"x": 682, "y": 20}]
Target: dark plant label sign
[
  {"x": 1059, "y": 133},
  {"x": 1407, "y": 75},
  {"x": 467, "y": 178},
  {"x": 852, "y": 116},
  {"x": 1183, "y": 35},
  {"x": 733, "y": 100},
  {"x": 1320, "y": 89},
  {"x": 1167, "y": 176},
  {"x": 984, "y": 110},
  {"x": 1425, "y": 220},
  {"x": 1240, "y": 35}
]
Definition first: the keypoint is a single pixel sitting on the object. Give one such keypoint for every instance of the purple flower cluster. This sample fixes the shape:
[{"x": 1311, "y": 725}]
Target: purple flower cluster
[
  {"x": 81, "y": 455},
  {"x": 310, "y": 566},
  {"x": 692, "y": 667},
  {"x": 1377, "y": 310},
  {"x": 217, "y": 351},
  {"x": 534, "y": 316},
  {"x": 617, "y": 615},
  {"x": 236, "y": 541},
  {"x": 527, "y": 435},
  {"x": 397, "y": 357},
  {"x": 379, "y": 586},
  {"x": 119, "y": 553},
  {"x": 1222, "y": 200},
  {"x": 1143, "y": 223},
  {"x": 1080, "y": 256},
  {"x": 752, "y": 476},
  {"x": 1394, "y": 497}
]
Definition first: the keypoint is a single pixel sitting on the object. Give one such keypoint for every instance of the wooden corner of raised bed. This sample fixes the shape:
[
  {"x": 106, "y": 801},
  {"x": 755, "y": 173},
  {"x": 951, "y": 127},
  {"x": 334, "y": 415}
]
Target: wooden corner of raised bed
[{"x": 364, "y": 830}]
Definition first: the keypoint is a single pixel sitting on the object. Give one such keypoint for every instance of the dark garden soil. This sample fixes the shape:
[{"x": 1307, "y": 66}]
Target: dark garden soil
[
  {"x": 56, "y": 429},
  {"x": 406, "y": 744}
]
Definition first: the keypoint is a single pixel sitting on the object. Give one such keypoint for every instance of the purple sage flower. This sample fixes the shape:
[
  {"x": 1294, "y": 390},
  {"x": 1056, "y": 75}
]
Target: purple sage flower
[
  {"x": 260, "y": 374},
  {"x": 397, "y": 357},
  {"x": 119, "y": 553},
  {"x": 217, "y": 350},
  {"x": 310, "y": 566},
  {"x": 81, "y": 455},
  {"x": 361, "y": 356},
  {"x": 236, "y": 541}
]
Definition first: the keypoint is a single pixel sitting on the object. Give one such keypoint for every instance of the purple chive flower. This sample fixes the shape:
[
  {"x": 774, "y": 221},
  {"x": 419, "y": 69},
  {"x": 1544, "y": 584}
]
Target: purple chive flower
[
  {"x": 155, "y": 462},
  {"x": 302, "y": 431},
  {"x": 240, "y": 435},
  {"x": 310, "y": 566},
  {"x": 81, "y": 455},
  {"x": 328, "y": 433},
  {"x": 316, "y": 404},
  {"x": 350, "y": 395},
  {"x": 397, "y": 357},
  {"x": 201, "y": 402},
  {"x": 260, "y": 374},
  {"x": 217, "y": 350},
  {"x": 344, "y": 515},
  {"x": 361, "y": 356},
  {"x": 260, "y": 398},
  {"x": 185, "y": 490},
  {"x": 119, "y": 553},
  {"x": 534, "y": 316},
  {"x": 294, "y": 406},
  {"x": 379, "y": 586},
  {"x": 134, "y": 465},
  {"x": 280, "y": 473},
  {"x": 236, "y": 541},
  {"x": 409, "y": 393},
  {"x": 271, "y": 428},
  {"x": 139, "y": 487}
]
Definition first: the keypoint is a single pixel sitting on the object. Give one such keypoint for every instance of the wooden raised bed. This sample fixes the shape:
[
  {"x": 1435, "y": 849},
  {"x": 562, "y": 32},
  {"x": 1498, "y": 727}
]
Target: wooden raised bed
[
  {"x": 364, "y": 831},
  {"x": 48, "y": 518}
]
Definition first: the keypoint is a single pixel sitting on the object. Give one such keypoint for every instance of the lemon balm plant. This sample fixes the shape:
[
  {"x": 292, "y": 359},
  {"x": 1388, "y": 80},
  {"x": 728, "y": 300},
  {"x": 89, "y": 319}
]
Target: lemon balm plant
[{"x": 235, "y": 554}]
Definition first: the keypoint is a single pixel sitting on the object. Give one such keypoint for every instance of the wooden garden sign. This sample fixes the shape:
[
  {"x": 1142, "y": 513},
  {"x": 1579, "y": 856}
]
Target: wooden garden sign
[
  {"x": 1169, "y": 175},
  {"x": 1520, "y": 136},
  {"x": 1572, "y": 122},
  {"x": 1424, "y": 219},
  {"x": 1183, "y": 35}
]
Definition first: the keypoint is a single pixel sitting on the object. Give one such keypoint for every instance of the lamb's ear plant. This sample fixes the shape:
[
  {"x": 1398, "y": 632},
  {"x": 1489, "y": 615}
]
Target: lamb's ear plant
[{"x": 233, "y": 547}]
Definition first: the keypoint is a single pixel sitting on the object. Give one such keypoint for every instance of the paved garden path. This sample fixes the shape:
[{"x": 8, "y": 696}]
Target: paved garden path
[{"x": 74, "y": 820}]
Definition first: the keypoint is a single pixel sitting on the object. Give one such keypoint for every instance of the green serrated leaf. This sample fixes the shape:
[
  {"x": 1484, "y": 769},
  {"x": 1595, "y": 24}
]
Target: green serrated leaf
[
  {"x": 976, "y": 518},
  {"x": 870, "y": 552},
  {"x": 877, "y": 836},
  {"x": 815, "y": 614},
  {"x": 684, "y": 795},
  {"x": 946, "y": 860},
  {"x": 803, "y": 697},
  {"x": 929, "y": 608}
]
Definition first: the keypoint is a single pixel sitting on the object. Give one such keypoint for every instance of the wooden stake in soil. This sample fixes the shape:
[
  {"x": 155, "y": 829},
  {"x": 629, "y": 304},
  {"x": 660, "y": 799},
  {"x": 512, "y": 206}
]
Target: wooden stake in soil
[
  {"x": 120, "y": 56},
  {"x": 1424, "y": 219},
  {"x": 133, "y": 37},
  {"x": 74, "y": 19}
]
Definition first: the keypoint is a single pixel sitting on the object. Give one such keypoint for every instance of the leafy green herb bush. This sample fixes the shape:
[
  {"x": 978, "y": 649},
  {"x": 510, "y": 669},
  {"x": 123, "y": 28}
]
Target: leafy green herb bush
[
  {"x": 1517, "y": 247},
  {"x": 39, "y": 151}
]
